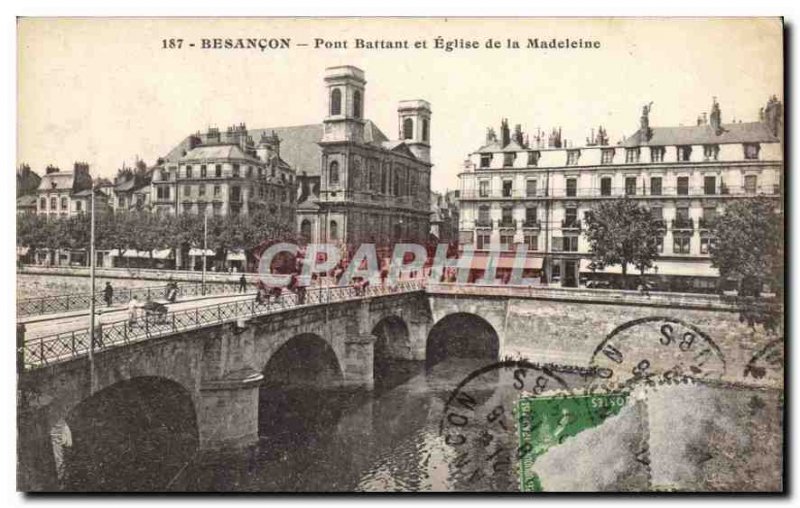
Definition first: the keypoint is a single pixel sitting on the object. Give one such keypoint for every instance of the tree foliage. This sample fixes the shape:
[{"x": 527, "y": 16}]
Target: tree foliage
[{"x": 621, "y": 232}]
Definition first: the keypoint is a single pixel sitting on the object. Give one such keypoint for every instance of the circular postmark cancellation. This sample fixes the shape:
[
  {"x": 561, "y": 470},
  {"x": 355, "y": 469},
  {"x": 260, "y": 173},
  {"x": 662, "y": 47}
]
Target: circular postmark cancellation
[
  {"x": 655, "y": 347},
  {"x": 484, "y": 416}
]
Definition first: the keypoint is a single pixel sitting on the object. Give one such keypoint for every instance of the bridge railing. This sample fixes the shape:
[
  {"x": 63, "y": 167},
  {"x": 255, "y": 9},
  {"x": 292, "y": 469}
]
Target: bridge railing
[
  {"x": 47, "y": 350},
  {"x": 81, "y": 301}
]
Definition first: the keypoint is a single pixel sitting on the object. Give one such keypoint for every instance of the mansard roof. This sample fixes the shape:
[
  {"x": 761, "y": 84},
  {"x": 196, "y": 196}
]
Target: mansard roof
[
  {"x": 750, "y": 132},
  {"x": 216, "y": 152}
]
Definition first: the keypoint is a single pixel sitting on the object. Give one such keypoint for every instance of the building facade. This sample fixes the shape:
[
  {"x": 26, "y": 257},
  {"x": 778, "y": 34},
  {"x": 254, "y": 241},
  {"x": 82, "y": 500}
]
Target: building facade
[
  {"x": 66, "y": 194},
  {"x": 535, "y": 192}
]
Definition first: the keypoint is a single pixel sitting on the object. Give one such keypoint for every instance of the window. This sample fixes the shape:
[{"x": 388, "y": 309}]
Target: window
[
  {"x": 570, "y": 217},
  {"x": 483, "y": 216},
  {"x": 333, "y": 173},
  {"x": 357, "y": 106},
  {"x": 486, "y": 160},
  {"x": 507, "y": 217},
  {"x": 236, "y": 193},
  {"x": 249, "y": 172},
  {"x": 570, "y": 244},
  {"x": 709, "y": 214},
  {"x": 139, "y": 200},
  {"x": 706, "y": 244},
  {"x": 532, "y": 242},
  {"x": 632, "y": 154},
  {"x": 336, "y": 102},
  {"x": 710, "y": 185},
  {"x": 187, "y": 190},
  {"x": 483, "y": 190},
  {"x": 508, "y": 159},
  {"x": 684, "y": 153},
  {"x": 660, "y": 244},
  {"x": 408, "y": 128},
  {"x": 530, "y": 215},
  {"x": 533, "y": 158},
  {"x": 217, "y": 191},
  {"x": 657, "y": 153},
  {"x": 682, "y": 214},
  {"x": 43, "y": 203},
  {"x": 530, "y": 188},
  {"x": 64, "y": 203},
  {"x": 607, "y": 156},
  {"x": 572, "y": 187},
  {"x": 507, "y": 186},
  {"x": 120, "y": 202},
  {"x": 188, "y": 171},
  {"x": 203, "y": 172},
  {"x": 482, "y": 242},
  {"x": 201, "y": 190},
  {"x": 710, "y": 152},
  {"x": 78, "y": 206},
  {"x": 334, "y": 230},
  {"x": 572, "y": 157},
  {"x": 683, "y": 185},
  {"x": 605, "y": 186},
  {"x": 657, "y": 213},
  {"x": 425, "y": 130},
  {"x": 630, "y": 185},
  {"x": 218, "y": 171},
  {"x": 506, "y": 241},
  {"x": 681, "y": 244},
  {"x": 751, "y": 151},
  {"x": 236, "y": 171},
  {"x": 655, "y": 186},
  {"x": 162, "y": 192},
  {"x": 54, "y": 203},
  {"x": 750, "y": 184},
  {"x": 187, "y": 208}
]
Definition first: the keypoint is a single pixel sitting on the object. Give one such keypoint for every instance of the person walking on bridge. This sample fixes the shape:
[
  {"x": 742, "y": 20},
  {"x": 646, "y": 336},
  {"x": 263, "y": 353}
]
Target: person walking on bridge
[
  {"x": 108, "y": 294},
  {"x": 242, "y": 284}
]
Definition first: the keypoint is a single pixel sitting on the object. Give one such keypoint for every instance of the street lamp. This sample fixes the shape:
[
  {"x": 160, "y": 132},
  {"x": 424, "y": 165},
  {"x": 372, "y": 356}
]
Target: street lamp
[
  {"x": 205, "y": 251},
  {"x": 92, "y": 261}
]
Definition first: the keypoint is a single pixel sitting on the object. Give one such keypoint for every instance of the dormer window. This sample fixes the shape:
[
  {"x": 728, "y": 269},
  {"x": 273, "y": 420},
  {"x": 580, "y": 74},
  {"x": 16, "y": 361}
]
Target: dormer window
[
  {"x": 710, "y": 152},
  {"x": 632, "y": 154},
  {"x": 751, "y": 151},
  {"x": 684, "y": 153},
  {"x": 533, "y": 158},
  {"x": 572, "y": 157},
  {"x": 607, "y": 156},
  {"x": 508, "y": 159},
  {"x": 657, "y": 153},
  {"x": 486, "y": 160}
]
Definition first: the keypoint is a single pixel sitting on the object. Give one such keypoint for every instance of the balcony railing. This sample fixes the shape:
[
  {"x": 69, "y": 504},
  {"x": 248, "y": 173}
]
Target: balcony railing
[
  {"x": 532, "y": 224},
  {"x": 683, "y": 224},
  {"x": 616, "y": 192},
  {"x": 705, "y": 223},
  {"x": 483, "y": 223},
  {"x": 507, "y": 224},
  {"x": 570, "y": 224}
]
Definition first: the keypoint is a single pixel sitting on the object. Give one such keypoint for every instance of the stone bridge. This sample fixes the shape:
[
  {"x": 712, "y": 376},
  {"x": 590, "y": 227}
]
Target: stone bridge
[{"x": 215, "y": 373}]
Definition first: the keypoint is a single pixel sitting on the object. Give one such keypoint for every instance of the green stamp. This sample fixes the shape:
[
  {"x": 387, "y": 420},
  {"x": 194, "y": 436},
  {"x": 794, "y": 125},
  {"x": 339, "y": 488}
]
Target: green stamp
[{"x": 544, "y": 422}]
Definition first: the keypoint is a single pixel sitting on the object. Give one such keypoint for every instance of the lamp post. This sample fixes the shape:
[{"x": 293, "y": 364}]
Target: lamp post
[
  {"x": 205, "y": 251},
  {"x": 92, "y": 261}
]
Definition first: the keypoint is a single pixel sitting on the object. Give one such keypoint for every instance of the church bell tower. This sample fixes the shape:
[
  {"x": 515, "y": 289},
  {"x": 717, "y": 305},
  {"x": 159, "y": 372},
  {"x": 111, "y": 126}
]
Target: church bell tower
[
  {"x": 414, "y": 119},
  {"x": 344, "y": 121}
]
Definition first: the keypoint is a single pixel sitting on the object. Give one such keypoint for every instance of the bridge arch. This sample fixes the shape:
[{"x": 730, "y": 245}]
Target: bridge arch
[
  {"x": 462, "y": 335},
  {"x": 392, "y": 346},
  {"x": 135, "y": 434}
]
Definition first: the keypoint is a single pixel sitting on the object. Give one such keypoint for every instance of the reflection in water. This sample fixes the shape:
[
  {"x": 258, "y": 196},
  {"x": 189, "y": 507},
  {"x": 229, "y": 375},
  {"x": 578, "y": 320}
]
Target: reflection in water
[{"x": 354, "y": 440}]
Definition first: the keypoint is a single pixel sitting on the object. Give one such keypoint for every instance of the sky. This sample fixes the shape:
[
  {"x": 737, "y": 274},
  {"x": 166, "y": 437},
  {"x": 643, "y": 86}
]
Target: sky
[{"x": 105, "y": 91}]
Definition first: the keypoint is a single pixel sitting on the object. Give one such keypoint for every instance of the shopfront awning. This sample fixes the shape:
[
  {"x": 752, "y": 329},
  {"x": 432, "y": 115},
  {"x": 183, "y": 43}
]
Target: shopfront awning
[
  {"x": 688, "y": 268},
  {"x": 23, "y": 251},
  {"x": 199, "y": 252},
  {"x": 480, "y": 262},
  {"x": 130, "y": 253},
  {"x": 236, "y": 255}
]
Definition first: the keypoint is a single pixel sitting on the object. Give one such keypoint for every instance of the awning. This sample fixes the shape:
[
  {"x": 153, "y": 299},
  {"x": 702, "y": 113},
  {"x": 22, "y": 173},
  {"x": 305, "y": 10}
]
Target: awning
[
  {"x": 699, "y": 268},
  {"x": 480, "y": 261},
  {"x": 236, "y": 255},
  {"x": 130, "y": 253},
  {"x": 162, "y": 254},
  {"x": 23, "y": 251},
  {"x": 199, "y": 252}
]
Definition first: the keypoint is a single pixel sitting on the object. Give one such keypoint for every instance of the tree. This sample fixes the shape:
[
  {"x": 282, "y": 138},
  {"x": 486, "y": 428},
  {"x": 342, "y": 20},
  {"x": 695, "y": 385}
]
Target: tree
[
  {"x": 749, "y": 244},
  {"x": 621, "y": 232}
]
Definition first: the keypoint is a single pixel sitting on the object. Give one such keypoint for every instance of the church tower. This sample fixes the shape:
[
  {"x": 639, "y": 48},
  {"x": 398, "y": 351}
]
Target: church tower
[
  {"x": 344, "y": 121},
  {"x": 414, "y": 119}
]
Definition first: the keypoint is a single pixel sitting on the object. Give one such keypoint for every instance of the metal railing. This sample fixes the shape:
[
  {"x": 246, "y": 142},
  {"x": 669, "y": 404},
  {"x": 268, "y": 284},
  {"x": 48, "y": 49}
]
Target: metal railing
[
  {"x": 61, "y": 347},
  {"x": 81, "y": 301}
]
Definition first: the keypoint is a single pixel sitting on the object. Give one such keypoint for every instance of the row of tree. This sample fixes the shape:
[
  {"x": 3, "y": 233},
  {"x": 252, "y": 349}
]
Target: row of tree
[
  {"x": 144, "y": 231},
  {"x": 747, "y": 245}
]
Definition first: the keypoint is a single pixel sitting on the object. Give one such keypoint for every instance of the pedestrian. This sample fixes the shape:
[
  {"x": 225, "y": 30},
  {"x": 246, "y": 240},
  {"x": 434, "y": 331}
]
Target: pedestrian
[
  {"x": 133, "y": 310},
  {"x": 242, "y": 284},
  {"x": 108, "y": 294}
]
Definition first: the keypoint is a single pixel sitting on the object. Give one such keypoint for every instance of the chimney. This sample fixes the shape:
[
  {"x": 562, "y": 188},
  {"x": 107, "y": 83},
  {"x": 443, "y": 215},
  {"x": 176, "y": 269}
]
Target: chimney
[
  {"x": 716, "y": 117},
  {"x": 505, "y": 133},
  {"x": 50, "y": 169}
]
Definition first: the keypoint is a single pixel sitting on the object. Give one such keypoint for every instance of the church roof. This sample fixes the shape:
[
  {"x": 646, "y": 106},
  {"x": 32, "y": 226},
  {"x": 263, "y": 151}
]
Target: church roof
[{"x": 750, "y": 132}]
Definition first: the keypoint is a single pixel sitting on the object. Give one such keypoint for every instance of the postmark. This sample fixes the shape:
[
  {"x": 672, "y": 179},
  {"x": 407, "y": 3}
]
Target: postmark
[
  {"x": 657, "y": 346},
  {"x": 768, "y": 363}
]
